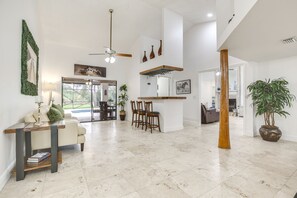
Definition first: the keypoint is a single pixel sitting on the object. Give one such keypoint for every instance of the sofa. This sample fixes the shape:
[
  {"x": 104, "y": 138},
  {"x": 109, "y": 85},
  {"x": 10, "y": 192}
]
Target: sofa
[
  {"x": 209, "y": 115},
  {"x": 73, "y": 133}
]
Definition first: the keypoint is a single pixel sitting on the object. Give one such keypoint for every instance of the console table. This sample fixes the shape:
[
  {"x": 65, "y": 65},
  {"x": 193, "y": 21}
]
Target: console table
[{"x": 23, "y": 136}]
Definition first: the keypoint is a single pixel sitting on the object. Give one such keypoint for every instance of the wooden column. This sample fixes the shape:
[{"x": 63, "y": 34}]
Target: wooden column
[{"x": 224, "y": 139}]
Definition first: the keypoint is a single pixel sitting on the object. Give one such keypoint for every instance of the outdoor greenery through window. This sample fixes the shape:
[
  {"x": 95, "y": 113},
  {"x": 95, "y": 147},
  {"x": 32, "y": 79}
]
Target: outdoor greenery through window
[
  {"x": 85, "y": 99},
  {"x": 77, "y": 96}
]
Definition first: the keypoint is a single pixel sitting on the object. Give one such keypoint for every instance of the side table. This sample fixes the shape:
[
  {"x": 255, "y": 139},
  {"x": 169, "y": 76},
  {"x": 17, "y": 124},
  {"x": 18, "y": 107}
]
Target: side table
[{"x": 23, "y": 135}]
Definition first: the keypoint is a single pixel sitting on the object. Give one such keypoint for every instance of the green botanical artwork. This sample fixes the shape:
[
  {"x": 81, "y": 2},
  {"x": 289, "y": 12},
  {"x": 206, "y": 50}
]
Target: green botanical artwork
[{"x": 29, "y": 62}]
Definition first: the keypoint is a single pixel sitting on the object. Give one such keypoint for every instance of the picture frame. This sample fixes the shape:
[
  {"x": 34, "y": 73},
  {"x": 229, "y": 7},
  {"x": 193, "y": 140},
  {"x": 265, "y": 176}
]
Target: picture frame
[
  {"x": 183, "y": 87},
  {"x": 29, "y": 62},
  {"x": 87, "y": 70}
]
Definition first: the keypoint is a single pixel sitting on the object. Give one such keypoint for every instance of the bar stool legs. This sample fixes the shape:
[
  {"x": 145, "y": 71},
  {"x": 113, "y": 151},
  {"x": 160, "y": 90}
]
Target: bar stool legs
[
  {"x": 141, "y": 114},
  {"x": 150, "y": 116}
]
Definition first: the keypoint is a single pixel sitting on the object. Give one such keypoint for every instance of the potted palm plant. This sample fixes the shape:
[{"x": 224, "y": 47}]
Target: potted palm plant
[
  {"x": 123, "y": 98},
  {"x": 270, "y": 97}
]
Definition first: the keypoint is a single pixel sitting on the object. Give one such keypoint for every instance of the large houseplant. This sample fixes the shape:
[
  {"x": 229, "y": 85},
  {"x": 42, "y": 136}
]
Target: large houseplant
[
  {"x": 270, "y": 97},
  {"x": 123, "y": 98}
]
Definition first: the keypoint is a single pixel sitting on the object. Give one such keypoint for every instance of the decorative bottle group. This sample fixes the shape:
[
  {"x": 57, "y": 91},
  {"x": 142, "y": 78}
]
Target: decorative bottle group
[{"x": 152, "y": 54}]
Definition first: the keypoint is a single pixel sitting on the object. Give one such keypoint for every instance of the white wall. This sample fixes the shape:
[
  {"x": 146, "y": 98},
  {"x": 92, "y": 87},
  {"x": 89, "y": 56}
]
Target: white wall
[
  {"x": 13, "y": 105},
  {"x": 207, "y": 80},
  {"x": 200, "y": 55},
  {"x": 148, "y": 86},
  {"x": 287, "y": 69},
  {"x": 60, "y": 59},
  {"x": 241, "y": 8},
  {"x": 173, "y": 38},
  {"x": 224, "y": 14}
]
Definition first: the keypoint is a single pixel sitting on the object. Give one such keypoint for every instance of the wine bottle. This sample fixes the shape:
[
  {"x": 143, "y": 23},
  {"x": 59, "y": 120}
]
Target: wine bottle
[
  {"x": 144, "y": 59},
  {"x": 160, "y": 49},
  {"x": 152, "y": 55}
]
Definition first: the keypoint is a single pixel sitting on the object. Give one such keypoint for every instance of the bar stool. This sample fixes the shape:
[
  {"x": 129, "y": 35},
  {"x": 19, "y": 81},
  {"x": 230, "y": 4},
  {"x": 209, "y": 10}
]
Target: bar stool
[
  {"x": 141, "y": 114},
  {"x": 134, "y": 112},
  {"x": 150, "y": 116}
]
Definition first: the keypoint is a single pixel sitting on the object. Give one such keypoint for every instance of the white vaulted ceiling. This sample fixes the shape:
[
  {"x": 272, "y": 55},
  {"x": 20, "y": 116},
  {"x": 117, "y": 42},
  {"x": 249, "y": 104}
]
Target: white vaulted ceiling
[
  {"x": 85, "y": 23},
  {"x": 259, "y": 35}
]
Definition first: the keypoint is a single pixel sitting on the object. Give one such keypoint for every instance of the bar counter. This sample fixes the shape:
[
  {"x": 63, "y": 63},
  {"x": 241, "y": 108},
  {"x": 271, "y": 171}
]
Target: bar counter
[
  {"x": 163, "y": 98},
  {"x": 171, "y": 111}
]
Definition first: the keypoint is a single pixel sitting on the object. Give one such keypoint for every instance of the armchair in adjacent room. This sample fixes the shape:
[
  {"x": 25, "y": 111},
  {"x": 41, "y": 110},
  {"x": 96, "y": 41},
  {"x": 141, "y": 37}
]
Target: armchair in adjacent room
[{"x": 209, "y": 115}]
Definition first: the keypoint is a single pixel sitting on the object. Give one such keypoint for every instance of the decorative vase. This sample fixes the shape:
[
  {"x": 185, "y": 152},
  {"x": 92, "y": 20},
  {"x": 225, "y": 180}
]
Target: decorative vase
[
  {"x": 122, "y": 115},
  {"x": 144, "y": 59},
  {"x": 160, "y": 49},
  {"x": 271, "y": 134},
  {"x": 152, "y": 55}
]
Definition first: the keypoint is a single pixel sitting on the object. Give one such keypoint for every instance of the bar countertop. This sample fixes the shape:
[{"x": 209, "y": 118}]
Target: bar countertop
[{"x": 163, "y": 98}]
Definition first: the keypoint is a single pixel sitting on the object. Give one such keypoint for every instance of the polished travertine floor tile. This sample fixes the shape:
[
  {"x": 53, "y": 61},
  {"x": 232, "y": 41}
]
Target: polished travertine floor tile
[{"x": 126, "y": 162}]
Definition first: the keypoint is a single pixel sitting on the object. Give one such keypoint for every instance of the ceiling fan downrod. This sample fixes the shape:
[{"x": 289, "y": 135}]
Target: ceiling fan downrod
[{"x": 110, "y": 29}]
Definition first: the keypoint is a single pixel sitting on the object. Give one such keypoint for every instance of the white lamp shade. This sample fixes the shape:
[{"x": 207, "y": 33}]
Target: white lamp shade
[{"x": 50, "y": 86}]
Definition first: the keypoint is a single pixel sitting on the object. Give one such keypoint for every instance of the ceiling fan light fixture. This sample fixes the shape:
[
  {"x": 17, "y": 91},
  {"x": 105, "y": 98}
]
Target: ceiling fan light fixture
[{"x": 110, "y": 59}]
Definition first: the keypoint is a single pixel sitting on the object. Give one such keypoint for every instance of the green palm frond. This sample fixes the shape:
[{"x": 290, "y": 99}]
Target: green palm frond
[{"x": 270, "y": 97}]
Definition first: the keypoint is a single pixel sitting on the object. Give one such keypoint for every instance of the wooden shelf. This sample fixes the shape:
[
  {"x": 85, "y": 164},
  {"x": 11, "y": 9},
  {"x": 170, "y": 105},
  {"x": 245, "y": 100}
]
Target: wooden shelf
[
  {"x": 163, "y": 98},
  {"x": 160, "y": 70},
  {"x": 43, "y": 164}
]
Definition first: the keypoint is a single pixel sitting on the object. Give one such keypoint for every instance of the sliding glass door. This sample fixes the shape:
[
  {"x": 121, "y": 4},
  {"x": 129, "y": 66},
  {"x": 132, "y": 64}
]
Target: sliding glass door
[{"x": 90, "y": 100}]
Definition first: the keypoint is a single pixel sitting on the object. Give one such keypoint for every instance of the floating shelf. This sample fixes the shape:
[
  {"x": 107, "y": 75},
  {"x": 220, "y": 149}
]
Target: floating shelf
[{"x": 160, "y": 70}]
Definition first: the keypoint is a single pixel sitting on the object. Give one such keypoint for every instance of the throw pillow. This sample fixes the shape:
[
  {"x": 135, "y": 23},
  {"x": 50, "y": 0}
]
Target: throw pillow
[
  {"x": 54, "y": 115},
  {"x": 29, "y": 118},
  {"x": 60, "y": 108}
]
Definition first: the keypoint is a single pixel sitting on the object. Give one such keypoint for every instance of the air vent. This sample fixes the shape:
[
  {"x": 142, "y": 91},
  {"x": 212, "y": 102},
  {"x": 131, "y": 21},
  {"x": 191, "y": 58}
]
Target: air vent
[{"x": 290, "y": 40}]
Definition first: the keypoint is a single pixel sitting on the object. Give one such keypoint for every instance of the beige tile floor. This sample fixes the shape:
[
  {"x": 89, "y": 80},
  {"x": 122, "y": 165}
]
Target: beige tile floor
[{"x": 121, "y": 161}]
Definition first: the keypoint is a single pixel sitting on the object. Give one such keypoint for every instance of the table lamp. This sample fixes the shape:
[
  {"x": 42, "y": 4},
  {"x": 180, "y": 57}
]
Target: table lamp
[{"x": 50, "y": 86}]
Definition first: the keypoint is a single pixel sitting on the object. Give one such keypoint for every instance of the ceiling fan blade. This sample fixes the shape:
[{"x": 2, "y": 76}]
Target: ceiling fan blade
[
  {"x": 124, "y": 55},
  {"x": 96, "y": 54}
]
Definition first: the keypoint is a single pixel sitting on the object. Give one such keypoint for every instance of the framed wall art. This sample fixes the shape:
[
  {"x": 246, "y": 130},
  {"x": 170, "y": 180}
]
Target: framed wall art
[
  {"x": 29, "y": 62},
  {"x": 87, "y": 70},
  {"x": 183, "y": 87}
]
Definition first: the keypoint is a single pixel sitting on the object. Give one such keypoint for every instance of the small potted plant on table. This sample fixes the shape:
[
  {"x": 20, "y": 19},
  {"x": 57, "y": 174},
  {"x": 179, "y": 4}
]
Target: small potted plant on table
[
  {"x": 270, "y": 98},
  {"x": 123, "y": 98}
]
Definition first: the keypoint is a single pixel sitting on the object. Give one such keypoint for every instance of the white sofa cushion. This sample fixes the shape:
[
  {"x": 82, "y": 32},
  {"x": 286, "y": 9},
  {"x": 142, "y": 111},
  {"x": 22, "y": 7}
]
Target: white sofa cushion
[
  {"x": 29, "y": 118},
  {"x": 81, "y": 130}
]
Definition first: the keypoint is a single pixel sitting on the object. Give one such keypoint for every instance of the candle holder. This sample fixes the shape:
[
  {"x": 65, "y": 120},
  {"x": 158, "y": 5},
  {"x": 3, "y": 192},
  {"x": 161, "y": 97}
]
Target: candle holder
[{"x": 38, "y": 101}]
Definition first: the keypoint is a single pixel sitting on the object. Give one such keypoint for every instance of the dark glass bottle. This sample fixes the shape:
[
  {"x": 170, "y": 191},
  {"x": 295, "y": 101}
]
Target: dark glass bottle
[
  {"x": 152, "y": 55},
  {"x": 144, "y": 59},
  {"x": 160, "y": 48}
]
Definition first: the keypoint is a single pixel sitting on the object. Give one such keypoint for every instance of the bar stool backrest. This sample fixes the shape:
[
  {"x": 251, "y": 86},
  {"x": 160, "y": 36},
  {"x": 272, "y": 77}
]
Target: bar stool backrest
[
  {"x": 139, "y": 106},
  {"x": 149, "y": 106},
  {"x": 133, "y": 106}
]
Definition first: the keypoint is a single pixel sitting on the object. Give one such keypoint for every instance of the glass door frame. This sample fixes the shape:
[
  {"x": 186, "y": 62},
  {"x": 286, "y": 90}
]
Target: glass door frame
[{"x": 93, "y": 83}]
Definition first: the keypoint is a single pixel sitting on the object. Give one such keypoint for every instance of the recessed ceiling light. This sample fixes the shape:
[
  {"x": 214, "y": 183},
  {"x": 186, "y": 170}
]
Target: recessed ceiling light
[{"x": 210, "y": 15}]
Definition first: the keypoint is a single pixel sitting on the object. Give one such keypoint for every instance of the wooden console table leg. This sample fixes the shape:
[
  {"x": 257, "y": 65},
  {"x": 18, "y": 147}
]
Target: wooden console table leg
[
  {"x": 54, "y": 148},
  {"x": 28, "y": 144},
  {"x": 20, "y": 174}
]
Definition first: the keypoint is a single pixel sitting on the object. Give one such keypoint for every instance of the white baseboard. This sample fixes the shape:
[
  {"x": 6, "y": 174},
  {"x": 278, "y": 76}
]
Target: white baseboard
[
  {"x": 289, "y": 138},
  {"x": 192, "y": 123},
  {"x": 6, "y": 175},
  {"x": 172, "y": 129}
]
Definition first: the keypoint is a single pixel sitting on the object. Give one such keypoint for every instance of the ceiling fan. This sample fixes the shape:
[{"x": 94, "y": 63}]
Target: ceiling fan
[{"x": 109, "y": 52}]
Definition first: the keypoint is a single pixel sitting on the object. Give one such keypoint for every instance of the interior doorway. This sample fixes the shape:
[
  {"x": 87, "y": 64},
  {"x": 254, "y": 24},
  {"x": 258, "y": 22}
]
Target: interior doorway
[
  {"x": 90, "y": 100},
  {"x": 210, "y": 91}
]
